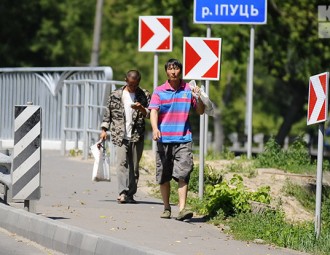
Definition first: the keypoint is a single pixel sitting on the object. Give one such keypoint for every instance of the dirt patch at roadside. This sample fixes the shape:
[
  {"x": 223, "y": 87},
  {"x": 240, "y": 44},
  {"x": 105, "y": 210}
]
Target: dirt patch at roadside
[{"x": 274, "y": 178}]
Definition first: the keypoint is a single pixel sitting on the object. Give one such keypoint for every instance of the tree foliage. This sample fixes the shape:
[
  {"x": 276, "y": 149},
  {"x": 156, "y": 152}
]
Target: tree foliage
[
  {"x": 292, "y": 51},
  {"x": 46, "y": 32},
  {"x": 287, "y": 52}
]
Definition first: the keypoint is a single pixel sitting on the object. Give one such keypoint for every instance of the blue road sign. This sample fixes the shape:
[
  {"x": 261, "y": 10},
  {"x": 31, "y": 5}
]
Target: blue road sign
[{"x": 230, "y": 11}]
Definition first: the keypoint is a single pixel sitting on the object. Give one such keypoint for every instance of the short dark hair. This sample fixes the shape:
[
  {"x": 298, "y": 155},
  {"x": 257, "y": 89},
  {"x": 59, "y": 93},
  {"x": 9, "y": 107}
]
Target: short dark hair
[
  {"x": 173, "y": 62},
  {"x": 135, "y": 74}
]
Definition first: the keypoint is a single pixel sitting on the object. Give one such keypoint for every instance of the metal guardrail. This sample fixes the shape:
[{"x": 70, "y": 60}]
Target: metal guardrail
[
  {"x": 5, "y": 175},
  {"x": 42, "y": 86},
  {"x": 86, "y": 112}
]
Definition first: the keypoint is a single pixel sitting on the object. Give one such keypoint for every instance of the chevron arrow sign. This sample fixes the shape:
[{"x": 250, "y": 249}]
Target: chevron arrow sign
[
  {"x": 155, "y": 33},
  {"x": 318, "y": 98},
  {"x": 201, "y": 58}
]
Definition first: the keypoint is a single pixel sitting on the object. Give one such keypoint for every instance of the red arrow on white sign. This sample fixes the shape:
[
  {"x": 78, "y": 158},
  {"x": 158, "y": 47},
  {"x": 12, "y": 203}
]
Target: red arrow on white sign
[
  {"x": 318, "y": 98},
  {"x": 201, "y": 58},
  {"x": 155, "y": 33}
]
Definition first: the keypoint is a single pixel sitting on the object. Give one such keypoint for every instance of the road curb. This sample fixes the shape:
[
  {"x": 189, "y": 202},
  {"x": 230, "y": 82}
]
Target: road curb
[{"x": 65, "y": 238}]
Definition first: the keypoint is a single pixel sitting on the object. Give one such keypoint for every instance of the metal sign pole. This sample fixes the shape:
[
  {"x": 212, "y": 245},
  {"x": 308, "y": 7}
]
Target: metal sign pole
[
  {"x": 204, "y": 122},
  {"x": 207, "y": 91},
  {"x": 317, "y": 112},
  {"x": 155, "y": 70},
  {"x": 319, "y": 180},
  {"x": 201, "y": 156},
  {"x": 155, "y": 85},
  {"x": 208, "y": 12},
  {"x": 250, "y": 94}
]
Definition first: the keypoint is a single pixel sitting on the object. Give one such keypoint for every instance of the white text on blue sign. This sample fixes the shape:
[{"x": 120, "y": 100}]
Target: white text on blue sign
[{"x": 230, "y": 11}]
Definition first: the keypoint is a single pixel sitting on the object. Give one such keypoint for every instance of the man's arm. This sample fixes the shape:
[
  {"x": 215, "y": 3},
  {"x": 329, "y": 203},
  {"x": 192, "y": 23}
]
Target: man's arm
[
  {"x": 105, "y": 125},
  {"x": 200, "y": 107},
  {"x": 154, "y": 124}
]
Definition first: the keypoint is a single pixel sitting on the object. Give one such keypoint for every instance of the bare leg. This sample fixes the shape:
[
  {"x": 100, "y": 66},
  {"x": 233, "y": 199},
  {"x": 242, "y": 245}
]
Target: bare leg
[
  {"x": 182, "y": 191},
  {"x": 165, "y": 192},
  {"x": 184, "y": 214}
]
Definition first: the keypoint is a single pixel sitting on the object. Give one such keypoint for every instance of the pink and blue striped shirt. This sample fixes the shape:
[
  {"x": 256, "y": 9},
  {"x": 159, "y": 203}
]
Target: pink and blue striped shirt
[{"x": 173, "y": 115}]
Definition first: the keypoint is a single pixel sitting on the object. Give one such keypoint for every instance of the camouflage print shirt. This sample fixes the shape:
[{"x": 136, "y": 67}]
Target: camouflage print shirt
[{"x": 114, "y": 116}]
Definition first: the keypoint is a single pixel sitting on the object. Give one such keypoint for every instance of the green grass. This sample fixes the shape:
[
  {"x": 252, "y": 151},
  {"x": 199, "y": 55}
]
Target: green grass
[
  {"x": 272, "y": 228},
  {"x": 225, "y": 154},
  {"x": 295, "y": 159},
  {"x": 304, "y": 194}
]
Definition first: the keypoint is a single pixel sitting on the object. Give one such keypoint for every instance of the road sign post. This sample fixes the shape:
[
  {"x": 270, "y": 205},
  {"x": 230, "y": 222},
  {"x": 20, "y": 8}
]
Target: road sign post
[
  {"x": 155, "y": 35},
  {"x": 319, "y": 177},
  {"x": 317, "y": 113},
  {"x": 235, "y": 12},
  {"x": 201, "y": 61},
  {"x": 250, "y": 94}
]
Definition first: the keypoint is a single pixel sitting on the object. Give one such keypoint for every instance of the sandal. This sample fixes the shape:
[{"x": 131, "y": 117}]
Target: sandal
[
  {"x": 166, "y": 214},
  {"x": 185, "y": 215},
  {"x": 122, "y": 199}
]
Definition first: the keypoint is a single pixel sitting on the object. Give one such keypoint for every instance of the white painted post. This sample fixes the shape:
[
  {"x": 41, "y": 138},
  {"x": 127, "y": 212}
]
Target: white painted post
[
  {"x": 154, "y": 143},
  {"x": 319, "y": 180},
  {"x": 250, "y": 94}
]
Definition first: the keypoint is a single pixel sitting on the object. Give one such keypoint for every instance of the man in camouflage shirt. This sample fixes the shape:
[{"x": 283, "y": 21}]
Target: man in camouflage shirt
[{"x": 127, "y": 107}]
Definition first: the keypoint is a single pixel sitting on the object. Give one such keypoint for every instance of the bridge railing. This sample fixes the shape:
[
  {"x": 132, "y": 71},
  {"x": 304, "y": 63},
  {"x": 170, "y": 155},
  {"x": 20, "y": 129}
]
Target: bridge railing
[
  {"x": 82, "y": 115},
  {"x": 43, "y": 86}
]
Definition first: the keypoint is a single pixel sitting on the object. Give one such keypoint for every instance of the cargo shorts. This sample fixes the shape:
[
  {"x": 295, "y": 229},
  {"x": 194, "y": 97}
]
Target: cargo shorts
[{"x": 174, "y": 161}]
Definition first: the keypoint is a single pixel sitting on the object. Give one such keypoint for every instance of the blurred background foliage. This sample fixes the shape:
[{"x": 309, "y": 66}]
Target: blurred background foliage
[{"x": 287, "y": 52}]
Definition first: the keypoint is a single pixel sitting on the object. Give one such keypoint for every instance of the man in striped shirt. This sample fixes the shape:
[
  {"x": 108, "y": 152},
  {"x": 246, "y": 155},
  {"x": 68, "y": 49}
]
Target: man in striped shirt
[{"x": 170, "y": 107}]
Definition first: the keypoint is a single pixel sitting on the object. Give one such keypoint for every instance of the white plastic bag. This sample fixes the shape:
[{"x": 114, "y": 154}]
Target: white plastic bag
[
  {"x": 209, "y": 109},
  {"x": 101, "y": 168}
]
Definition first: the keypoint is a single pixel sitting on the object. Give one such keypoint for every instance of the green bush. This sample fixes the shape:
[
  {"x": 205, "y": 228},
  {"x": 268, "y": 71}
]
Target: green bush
[
  {"x": 231, "y": 197},
  {"x": 272, "y": 155},
  {"x": 211, "y": 177}
]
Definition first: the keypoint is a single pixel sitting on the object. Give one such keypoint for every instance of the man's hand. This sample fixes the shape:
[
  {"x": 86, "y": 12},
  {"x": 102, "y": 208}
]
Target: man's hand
[
  {"x": 103, "y": 134},
  {"x": 156, "y": 135},
  {"x": 196, "y": 91},
  {"x": 138, "y": 106}
]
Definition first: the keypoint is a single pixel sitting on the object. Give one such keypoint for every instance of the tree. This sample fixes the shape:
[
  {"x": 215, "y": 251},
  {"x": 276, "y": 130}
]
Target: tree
[
  {"x": 292, "y": 52},
  {"x": 46, "y": 32}
]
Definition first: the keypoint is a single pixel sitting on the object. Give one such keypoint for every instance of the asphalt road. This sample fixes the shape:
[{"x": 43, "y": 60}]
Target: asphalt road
[{"x": 11, "y": 244}]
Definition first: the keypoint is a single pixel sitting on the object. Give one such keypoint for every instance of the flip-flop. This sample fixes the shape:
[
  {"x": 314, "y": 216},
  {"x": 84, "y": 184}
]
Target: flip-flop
[{"x": 122, "y": 199}]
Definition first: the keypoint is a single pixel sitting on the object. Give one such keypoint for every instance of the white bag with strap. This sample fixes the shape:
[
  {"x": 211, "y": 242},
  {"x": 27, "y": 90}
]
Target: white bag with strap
[
  {"x": 209, "y": 108},
  {"x": 101, "y": 167}
]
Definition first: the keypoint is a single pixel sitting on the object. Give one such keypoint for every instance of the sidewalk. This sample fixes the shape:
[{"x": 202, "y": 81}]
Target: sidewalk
[{"x": 70, "y": 198}]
